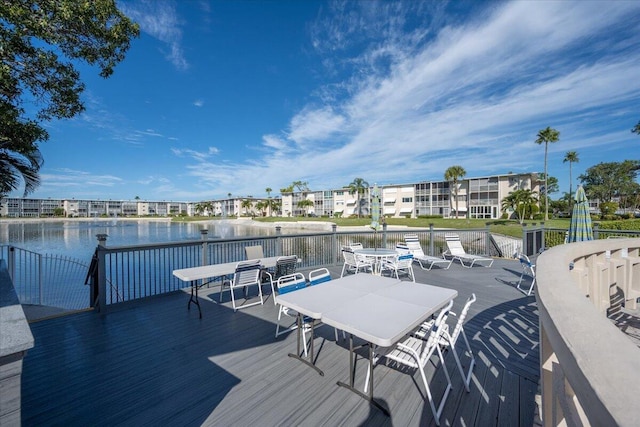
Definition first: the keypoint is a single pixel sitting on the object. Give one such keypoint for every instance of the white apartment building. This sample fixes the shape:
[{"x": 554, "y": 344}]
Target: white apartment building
[{"x": 478, "y": 197}]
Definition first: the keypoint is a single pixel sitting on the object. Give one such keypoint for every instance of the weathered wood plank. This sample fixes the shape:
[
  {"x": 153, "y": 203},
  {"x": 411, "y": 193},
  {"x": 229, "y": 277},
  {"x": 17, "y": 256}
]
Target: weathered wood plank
[{"x": 157, "y": 363}]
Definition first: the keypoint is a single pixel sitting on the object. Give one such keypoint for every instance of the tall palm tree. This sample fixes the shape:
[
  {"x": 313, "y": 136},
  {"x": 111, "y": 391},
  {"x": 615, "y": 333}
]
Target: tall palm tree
[
  {"x": 19, "y": 164},
  {"x": 358, "y": 186},
  {"x": 546, "y": 136},
  {"x": 246, "y": 205},
  {"x": 636, "y": 129},
  {"x": 571, "y": 157},
  {"x": 268, "y": 190},
  {"x": 453, "y": 174}
]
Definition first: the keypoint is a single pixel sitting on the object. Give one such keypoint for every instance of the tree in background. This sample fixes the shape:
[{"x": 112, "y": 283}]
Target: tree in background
[
  {"x": 358, "y": 187},
  {"x": 274, "y": 205},
  {"x": 571, "y": 157},
  {"x": 523, "y": 202},
  {"x": 40, "y": 42},
  {"x": 453, "y": 174},
  {"x": 605, "y": 181},
  {"x": 546, "y": 136},
  {"x": 268, "y": 190},
  {"x": 305, "y": 204},
  {"x": 246, "y": 205},
  {"x": 636, "y": 129}
]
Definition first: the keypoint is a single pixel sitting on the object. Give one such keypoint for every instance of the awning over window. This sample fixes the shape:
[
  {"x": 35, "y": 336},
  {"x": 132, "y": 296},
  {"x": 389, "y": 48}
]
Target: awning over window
[
  {"x": 390, "y": 200},
  {"x": 351, "y": 201},
  {"x": 388, "y": 211},
  {"x": 406, "y": 210},
  {"x": 338, "y": 210}
]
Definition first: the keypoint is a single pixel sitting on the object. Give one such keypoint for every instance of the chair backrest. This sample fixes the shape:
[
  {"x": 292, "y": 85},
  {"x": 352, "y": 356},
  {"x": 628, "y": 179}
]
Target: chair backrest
[
  {"x": 247, "y": 273},
  {"x": 354, "y": 246},
  {"x": 321, "y": 275},
  {"x": 413, "y": 244},
  {"x": 349, "y": 257},
  {"x": 525, "y": 261},
  {"x": 254, "y": 252},
  {"x": 401, "y": 248},
  {"x": 291, "y": 282},
  {"x": 461, "y": 318},
  {"x": 439, "y": 327},
  {"x": 454, "y": 244},
  {"x": 286, "y": 265},
  {"x": 404, "y": 260}
]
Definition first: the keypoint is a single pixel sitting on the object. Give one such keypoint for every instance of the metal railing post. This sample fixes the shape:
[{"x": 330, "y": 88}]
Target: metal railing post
[
  {"x": 205, "y": 246},
  {"x": 487, "y": 239},
  {"x": 40, "y": 279},
  {"x": 543, "y": 238},
  {"x": 596, "y": 230},
  {"x": 11, "y": 263},
  {"x": 334, "y": 244},
  {"x": 278, "y": 240},
  {"x": 384, "y": 235},
  {"x": 432, "y": 243},
  {"x": 102, "y": 273},
  {"x": 525, "y": 244}
]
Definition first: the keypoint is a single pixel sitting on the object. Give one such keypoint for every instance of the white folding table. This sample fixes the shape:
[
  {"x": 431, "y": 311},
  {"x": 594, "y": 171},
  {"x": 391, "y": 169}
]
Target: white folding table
[
  {"x": 213, "y": 272},
  {"x": 377, "y": 309}
]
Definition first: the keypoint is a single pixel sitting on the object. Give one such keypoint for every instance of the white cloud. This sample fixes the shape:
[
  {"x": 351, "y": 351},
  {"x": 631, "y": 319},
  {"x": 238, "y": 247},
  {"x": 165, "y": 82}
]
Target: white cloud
[
  {"x": 160, "y": 20},
  {"x": 198, "y": 103}
]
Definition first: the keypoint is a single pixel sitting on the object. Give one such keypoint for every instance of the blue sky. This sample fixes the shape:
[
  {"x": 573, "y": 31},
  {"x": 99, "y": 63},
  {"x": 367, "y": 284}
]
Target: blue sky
[{"x": 236, "y": 96}]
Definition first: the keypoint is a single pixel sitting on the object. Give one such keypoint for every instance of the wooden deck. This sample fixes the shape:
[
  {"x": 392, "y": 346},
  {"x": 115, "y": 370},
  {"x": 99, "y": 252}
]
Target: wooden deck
[{"x": 158, "y": 364}]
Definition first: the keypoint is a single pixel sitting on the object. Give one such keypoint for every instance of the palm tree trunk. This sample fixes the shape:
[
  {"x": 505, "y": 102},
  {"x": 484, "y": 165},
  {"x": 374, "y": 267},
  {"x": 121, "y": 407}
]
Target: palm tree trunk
[
  {"x": 570, "y": 188},
  {"x": 546, "y": 181}
]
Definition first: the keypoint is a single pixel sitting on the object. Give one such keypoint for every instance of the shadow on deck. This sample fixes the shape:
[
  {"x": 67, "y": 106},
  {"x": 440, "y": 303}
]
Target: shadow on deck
[{"x": 157, "y": 363}]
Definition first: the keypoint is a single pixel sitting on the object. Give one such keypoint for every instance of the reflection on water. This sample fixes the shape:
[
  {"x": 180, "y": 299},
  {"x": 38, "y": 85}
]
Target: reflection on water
[{"x": 77, "y": 239}]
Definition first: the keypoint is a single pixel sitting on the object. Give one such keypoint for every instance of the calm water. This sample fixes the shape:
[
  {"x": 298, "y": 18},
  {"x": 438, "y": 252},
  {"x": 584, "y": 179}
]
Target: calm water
[{"x": 77, "y": 239}]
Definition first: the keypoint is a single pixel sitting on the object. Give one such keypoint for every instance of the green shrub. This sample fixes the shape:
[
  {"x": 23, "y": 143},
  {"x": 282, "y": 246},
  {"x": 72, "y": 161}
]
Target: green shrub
[{"x": 629, "y": 224}]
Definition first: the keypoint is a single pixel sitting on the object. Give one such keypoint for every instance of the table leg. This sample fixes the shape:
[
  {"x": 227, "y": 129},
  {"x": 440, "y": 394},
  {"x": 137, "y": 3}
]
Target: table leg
[
  {"x": 194, "y": 285},
  {"x": 310, "y": 361},
  {"x": 352, "y": 371}
]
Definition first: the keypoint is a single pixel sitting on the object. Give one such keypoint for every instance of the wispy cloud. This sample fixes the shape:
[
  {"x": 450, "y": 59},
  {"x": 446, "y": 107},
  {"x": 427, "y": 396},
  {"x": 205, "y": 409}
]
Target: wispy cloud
[
  {"x": 474, "y": 93},
  {"x": 197, "y": 155},
  {"x": 160, "y": 20},
  {"x": 198, "y": 102}
]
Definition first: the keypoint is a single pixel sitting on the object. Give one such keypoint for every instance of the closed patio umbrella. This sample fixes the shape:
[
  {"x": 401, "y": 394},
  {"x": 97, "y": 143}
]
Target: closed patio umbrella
[
  {"x": 375, "y": 212},
  {"x": 580, "y": 226}
]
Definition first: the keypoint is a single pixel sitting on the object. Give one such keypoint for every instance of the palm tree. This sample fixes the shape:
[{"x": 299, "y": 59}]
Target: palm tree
[
  {"x": 453, "y": 174},
  {"x": 274, "y": 205},
  {"x": 546, "y": 136},
  {"x": 521, "y": 201},
  {"x": 19, "y": 164},
  {"x": 305, "y": 204},
  {"x": 571, "y": 157},
  {"x": 268, "y": 190},
  {"x": 636, "y": 129},
  {"x": 358, "y": 186},
  {"x": 246, "y": 204}
]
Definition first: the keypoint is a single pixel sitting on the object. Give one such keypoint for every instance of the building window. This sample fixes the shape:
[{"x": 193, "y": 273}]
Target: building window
[{"x": 407, "y": 199}]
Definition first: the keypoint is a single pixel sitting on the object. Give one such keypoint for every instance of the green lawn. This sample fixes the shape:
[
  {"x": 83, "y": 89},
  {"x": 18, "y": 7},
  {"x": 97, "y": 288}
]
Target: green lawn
[{"x": 506, "y": 227}]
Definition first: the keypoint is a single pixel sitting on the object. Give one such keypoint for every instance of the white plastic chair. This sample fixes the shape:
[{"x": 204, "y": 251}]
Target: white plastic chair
[
  {"x": 415, "y": 353},
  {"x": 286, "y": 284},
  {"x": 426, "y": 261},
  {"x": 456, "y": 251},
  {"x": 317, "y": 277},
  {"x": 247, "y": 274},
  {"x": 285, "y": 266},
  {"x": 401, "y": 262},
  {"x": 355, "y": 263},
  {"x": 529, "y": 269}
]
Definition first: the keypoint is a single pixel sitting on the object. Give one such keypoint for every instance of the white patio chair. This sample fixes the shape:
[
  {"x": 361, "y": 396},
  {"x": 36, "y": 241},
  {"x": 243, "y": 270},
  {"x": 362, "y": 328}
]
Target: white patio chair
[
  {"x": 355, "y": 263},
  {"x": 426, "y": 261},
  {"x": 317, "y": 277},
  {"x": 286, "y": 284},
  {"x": 528, "y": 269},
  {"x": 247, "y": 274},
  {"x": 285, "y": 266},
  {"x": 401, "y": 262},
  {"x": 415, "y": 353},
  {"x": 355, "y": 246},
  {"x": 456, "y": 251},
  {"x": 450, "y": 339}
]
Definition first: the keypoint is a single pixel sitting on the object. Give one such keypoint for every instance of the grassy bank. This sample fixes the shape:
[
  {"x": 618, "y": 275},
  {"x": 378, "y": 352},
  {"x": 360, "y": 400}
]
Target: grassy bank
[{"x": 509, "y": 228}]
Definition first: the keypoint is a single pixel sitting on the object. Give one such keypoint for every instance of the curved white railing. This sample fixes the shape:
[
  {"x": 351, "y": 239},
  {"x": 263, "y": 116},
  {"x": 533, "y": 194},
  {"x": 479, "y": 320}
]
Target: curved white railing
[{"x": 590, "y": 370}]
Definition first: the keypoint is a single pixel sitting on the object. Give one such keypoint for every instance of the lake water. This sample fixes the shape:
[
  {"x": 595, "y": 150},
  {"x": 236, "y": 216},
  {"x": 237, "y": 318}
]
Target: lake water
[{"x": 77, "y": 238}]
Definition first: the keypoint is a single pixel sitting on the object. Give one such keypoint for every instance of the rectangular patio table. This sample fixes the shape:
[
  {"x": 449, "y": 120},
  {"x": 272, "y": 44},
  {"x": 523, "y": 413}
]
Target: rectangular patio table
[
  {"x": 379, "y": 310},
  {"x": 213, "y": 272}
]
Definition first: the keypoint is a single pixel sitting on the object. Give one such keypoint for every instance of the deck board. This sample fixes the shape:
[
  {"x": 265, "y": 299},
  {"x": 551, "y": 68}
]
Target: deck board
[{"x": 157, "y": 363}]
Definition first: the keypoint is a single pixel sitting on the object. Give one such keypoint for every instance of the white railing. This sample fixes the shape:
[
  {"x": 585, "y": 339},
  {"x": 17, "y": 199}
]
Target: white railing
[{"x": 590, "y": 370}]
